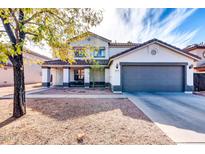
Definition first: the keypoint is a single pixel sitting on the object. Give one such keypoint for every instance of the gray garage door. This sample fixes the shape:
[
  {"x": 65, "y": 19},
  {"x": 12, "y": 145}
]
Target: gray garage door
[{"x": 152, "y": 78}]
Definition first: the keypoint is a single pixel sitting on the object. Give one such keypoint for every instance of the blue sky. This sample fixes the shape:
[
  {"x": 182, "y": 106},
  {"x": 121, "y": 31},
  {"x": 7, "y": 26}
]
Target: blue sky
[
  {"x": 195, "y": 21},
  {"x": 179, "y": 27}
]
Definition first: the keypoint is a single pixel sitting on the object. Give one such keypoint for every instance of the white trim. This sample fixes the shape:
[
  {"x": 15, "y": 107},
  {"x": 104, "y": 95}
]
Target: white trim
[
  {"x": 117, "y": 92},
  {"x": 188, "y": 92}
]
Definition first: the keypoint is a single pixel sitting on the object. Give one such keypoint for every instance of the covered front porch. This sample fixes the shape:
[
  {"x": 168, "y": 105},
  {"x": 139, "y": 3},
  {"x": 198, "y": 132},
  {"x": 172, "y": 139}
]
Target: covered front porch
[{"x": 73, "y": 76}]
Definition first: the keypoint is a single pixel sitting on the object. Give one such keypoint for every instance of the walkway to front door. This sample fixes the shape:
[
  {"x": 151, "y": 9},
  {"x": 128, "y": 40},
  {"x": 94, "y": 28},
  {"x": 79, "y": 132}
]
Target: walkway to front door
[{"x": 77, "y": 91}]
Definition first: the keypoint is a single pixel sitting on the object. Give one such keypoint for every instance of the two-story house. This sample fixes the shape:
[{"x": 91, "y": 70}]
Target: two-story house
[{"x": 150, "y": 66}]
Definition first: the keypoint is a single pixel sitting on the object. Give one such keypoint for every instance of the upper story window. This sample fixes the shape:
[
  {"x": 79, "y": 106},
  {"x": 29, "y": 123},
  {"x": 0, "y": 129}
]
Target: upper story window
[
  {"x": 100, "y": 53},
  {"x": 79, "y": 53}
]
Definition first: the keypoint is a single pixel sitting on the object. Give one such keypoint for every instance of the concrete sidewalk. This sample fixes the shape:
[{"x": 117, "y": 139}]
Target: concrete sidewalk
[
  {"x": 30, "y": 88},
  {"x": 29, "y": 92},
  {"x": 180, "y": 116},
  {"x": 67, "y": 96}
]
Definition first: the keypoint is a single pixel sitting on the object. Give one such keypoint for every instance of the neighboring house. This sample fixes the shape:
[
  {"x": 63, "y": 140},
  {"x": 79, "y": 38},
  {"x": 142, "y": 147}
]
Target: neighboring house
[
  {"x": 199, "y": 50},
  {"x": 199, "y": 75},
  {"x": 32, "y": 69},
  {"x": 150, "y": 66}
]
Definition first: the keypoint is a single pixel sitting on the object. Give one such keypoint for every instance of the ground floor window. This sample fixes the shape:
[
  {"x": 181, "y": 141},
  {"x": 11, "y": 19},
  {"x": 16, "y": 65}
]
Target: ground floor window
[{"x": 78, "y": 74}]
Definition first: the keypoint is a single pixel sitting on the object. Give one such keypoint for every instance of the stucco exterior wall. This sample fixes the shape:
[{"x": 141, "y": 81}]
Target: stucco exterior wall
[
  {"x": 71, "y": 74},
  {"x": 114, "y": 51},
  {"x": 97, "y": 75},
  {"x": 107, "y": 75},
  {"x": 6, "y": 76},
  {"x": 143, "y": 55}
]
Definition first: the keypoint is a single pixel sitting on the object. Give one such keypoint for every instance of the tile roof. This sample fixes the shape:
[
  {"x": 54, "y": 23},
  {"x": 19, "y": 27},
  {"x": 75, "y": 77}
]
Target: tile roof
[
  {"x": 156, "y": 40},
  {"x": 36, "y": 54},
  {"x": 129, "y": 44},
  {"x": 78, "y": 62},
  {"x": 201, "y": 66},
  {"x": 194, "y": 46}
]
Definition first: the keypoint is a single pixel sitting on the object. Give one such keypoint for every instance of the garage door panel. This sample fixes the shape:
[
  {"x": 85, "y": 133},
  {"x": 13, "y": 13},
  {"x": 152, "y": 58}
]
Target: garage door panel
[{"x": 152, "y": 78}]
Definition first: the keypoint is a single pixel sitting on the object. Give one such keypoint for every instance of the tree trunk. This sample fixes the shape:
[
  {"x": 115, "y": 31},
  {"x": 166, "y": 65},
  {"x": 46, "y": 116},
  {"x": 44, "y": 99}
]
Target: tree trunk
[{"x": 19, "y": 108}]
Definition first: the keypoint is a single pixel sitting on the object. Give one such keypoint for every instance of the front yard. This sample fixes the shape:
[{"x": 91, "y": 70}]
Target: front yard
[{"x": 78, "y": 121}]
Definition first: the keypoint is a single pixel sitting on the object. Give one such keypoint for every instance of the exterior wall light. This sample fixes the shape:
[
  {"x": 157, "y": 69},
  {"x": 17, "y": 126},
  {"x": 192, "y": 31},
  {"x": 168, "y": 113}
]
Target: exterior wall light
[
  {"x": 117, "y": 66},
  {"x": 191, "y": 66}
]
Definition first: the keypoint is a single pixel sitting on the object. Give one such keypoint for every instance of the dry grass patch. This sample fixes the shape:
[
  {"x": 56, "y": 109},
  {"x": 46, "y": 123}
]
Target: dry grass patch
[{"x": 78, "y": 121}]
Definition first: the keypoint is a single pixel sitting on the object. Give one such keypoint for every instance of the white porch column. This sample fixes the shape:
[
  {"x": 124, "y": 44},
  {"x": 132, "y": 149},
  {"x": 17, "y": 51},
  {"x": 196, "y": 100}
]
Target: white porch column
[
  {"x": 66, "y": 76},
  {"x": 107, "y": 77},
  {"x": 46, "y": 76},
  {"x": 87, "y": 77}
]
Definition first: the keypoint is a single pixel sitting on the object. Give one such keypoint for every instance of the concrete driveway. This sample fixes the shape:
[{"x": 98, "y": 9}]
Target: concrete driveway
[{"x": 181, "y": 116}]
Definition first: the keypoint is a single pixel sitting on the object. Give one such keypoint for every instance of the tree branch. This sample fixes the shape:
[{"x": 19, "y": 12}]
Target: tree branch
[
  {"x": 2, "y": 31},
  {"x": 11, "y": 37},
  {"x": 33, "y": 16},
  {"x": 40, "y": 12},
  {"x": 21, "y": 32},
  {"x": 9, "y": 31},
  {"x": 33, "y": 23},
  {"x": 10, "y": 34},
  {"x": 57, "y": 16},
  {"x": 30, "y": 33},
  {"x": 17, "y": 24}
]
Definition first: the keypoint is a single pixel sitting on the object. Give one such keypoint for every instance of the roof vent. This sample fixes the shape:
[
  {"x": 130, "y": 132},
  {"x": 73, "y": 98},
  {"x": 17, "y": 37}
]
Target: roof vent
[{"x": 153, "y": 52}]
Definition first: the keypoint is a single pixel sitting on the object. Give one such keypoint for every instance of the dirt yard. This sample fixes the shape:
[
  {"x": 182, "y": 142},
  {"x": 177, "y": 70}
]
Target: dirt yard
[
  {"x": 77, "y": 91},
  {"x": 78, "y": 121}
]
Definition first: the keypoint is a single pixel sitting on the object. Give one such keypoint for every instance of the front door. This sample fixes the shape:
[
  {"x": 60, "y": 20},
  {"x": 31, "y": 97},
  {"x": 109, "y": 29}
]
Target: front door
[{"x": 79, "y": 76}]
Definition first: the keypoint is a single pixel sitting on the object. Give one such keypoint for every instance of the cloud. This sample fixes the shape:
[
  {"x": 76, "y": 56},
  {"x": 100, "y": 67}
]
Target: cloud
[{"x": 139, "y": 25}]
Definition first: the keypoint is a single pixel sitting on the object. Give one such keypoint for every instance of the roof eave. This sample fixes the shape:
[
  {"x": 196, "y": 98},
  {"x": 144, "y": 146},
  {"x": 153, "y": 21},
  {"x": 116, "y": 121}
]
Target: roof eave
[
  {"x": 90, "y": 34},
  {"x": 152, "y": 42}
]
